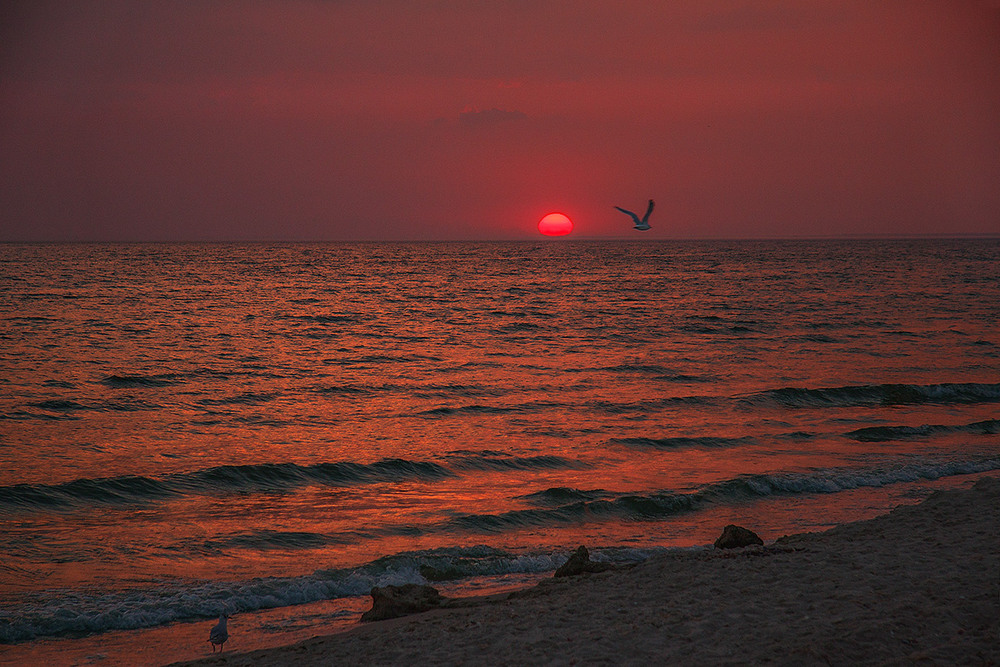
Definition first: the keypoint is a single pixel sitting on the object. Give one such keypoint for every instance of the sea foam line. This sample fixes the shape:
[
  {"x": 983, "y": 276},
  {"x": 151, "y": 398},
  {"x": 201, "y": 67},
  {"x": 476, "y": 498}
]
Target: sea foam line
[
  {"x": 61, "y": 612},
  {"x": 601, "y": 505}
]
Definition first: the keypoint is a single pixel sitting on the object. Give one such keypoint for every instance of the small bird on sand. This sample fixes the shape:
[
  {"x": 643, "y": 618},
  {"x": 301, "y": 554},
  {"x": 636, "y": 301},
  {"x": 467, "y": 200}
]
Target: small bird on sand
[
  {"x": 641, "y": 225},
  {"x": 219, "y": 634}
]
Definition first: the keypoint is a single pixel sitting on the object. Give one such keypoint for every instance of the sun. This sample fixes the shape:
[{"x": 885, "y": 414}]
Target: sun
[{"x": 555, "y": 224}]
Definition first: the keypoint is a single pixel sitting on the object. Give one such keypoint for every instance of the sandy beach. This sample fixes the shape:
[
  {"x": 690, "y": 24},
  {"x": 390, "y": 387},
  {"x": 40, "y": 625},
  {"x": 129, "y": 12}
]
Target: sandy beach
[{"x": 920, "y": 585}]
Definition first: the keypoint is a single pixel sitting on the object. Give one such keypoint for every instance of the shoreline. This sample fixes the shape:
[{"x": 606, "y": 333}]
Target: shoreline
[{"x": 921, "y": 583}]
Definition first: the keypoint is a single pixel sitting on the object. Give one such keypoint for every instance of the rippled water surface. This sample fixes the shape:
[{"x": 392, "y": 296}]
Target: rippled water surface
[{"x": 273, "y": 429}]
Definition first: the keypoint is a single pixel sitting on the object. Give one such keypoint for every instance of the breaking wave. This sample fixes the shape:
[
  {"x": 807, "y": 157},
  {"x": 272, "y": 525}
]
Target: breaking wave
[
  {"x": 62, "y": 612},
  {"x": 256, "y": 478},
  {"x": 585, "y": 506},
  {"x": 881, "y": 395},
  {"x": 884, "y": 433}
]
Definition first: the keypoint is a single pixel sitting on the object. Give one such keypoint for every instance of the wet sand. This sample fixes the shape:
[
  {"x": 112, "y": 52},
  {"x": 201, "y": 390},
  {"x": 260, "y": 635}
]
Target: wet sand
[{"x": 920, "y": 585}]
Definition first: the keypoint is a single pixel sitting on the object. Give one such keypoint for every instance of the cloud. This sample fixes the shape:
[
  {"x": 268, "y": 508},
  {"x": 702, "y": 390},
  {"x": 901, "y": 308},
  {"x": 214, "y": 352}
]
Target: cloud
[{"x": 489, "y": 117}]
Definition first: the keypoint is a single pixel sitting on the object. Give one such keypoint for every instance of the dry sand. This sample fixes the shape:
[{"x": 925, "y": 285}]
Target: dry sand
[{"x": 920, "y": 585}]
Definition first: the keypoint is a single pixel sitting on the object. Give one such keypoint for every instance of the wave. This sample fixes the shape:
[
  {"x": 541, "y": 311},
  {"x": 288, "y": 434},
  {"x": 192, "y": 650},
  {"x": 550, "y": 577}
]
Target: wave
[
  {"x": 517, "y": 327},
  {"x": 628, "y": 507},
  {"x": 256, "y": 478},
  {"x": 814, "y": 338},
  {"x": 561, "y": 494},
  {"x": 680, "y": 442},
  {"x": 248, "y": 398},
  {"x": 264, "y": 540},
  {"x": 452, "y": 390},
  {"x": 651, "y": 405},
  {"x": 339, "y": 318},
  {"x": 59, "y": 405},
  {"x": 881, "y": 395},
  {"x": 681, "y": 378},
  {"x": 61, "y": 408},
  {"x": 476, "y": 408},
  {"x": 134, "y": 381},
  {"x": 62, "y": 612},
  {"x": 884, "y": 433},
  {"x": 388, "y": 359},
  {"x": 834, "y": 480},
  {"x": 544, "y": 462},
  {"x": 654, "y": 371},
  {"x": 606, "y": 505},
  {"x": 647, "y": 369},
  {"x": 24, "y": 415},
  {"x": 344, "y": 389}
]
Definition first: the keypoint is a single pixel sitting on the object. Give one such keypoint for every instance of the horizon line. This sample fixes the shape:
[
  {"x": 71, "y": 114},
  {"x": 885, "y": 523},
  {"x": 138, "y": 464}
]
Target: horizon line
[{"x": 541, "y": 239}]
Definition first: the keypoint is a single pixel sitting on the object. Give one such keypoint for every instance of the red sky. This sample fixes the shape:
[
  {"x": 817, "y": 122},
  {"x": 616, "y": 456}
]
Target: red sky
[{"x": 470, "y": 119}]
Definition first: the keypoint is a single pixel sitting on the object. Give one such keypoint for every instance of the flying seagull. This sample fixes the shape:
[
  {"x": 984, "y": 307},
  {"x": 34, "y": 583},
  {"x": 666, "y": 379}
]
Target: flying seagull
[
  {"x": 219, "y": 634},
  {"x": 641, "y": 225}
]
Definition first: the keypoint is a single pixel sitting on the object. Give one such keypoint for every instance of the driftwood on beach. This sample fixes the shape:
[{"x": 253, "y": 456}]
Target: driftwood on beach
[{"x": 918, "y": 585}]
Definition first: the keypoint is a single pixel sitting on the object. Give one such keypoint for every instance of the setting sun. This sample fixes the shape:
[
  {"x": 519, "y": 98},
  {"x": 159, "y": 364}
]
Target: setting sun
[{"x": 555, "y": 224}]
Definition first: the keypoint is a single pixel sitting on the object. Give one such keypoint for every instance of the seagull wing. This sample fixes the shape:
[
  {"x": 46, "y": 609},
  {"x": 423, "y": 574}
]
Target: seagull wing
[
  {"x": 629, "y": 213},
  {"x": 648, "y": 211}
]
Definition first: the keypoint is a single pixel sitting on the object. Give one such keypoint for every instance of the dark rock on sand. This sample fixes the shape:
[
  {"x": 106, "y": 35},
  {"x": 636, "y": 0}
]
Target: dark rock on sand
[
  {"x": 580, "y": 563},
  {"x": 735, "y": 537},
  {"x": 576, "y": 563},
  {"x": 394, "y": 601}
]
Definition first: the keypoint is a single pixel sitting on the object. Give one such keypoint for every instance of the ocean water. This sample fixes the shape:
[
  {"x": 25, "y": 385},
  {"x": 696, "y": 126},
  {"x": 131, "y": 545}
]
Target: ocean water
[{"x": 271, "y": 430}]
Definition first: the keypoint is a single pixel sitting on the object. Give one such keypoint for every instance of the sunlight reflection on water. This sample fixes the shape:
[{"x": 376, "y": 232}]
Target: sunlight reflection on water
[{"x": 218, "y": 413}]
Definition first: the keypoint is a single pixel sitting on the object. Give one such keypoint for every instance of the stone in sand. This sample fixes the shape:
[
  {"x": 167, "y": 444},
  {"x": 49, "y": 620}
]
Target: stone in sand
[
  {"x": 735, "y": 537},
  {"x": 394, "y": 601},
  {"x": 579, "y": 563},
  {"x": 576, "y": 564}
]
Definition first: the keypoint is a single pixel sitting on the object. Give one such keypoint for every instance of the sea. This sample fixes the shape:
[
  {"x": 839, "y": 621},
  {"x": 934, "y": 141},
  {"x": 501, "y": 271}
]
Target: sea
[{"x": 270, "y": 430}]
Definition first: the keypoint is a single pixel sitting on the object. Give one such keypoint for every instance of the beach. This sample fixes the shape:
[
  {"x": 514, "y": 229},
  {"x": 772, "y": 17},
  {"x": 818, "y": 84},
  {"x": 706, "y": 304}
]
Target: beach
[{"x": 919, "y": 585}]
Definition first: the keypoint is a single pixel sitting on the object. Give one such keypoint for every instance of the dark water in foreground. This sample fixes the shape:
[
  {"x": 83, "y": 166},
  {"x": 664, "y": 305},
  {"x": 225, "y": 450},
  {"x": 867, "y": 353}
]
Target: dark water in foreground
[{"x": 273, "y": 429}]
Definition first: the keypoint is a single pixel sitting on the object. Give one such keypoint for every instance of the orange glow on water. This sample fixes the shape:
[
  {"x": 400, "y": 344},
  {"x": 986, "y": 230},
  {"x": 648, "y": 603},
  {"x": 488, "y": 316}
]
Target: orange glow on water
[{"x": 609, "y": 394}]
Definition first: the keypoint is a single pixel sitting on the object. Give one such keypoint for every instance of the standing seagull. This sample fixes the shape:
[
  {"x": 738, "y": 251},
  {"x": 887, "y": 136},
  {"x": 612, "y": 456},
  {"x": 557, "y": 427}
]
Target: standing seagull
[
  {"x": 641, "y": 225},
  {"x": 219, "y": 634}
]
